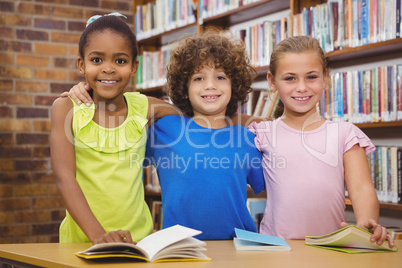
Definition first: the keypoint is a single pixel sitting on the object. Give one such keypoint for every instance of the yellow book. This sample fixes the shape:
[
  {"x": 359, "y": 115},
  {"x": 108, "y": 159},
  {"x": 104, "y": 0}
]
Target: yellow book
[
  {"x": 175, "y": 243},
  {"x": 350, "y": 239}
]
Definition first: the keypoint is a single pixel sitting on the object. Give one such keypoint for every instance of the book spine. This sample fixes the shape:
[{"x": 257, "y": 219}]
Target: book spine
[
  {"x": 365, "y": 23},
  {"x": 374, "y": 21},
  {"x": 380, "y": 97},
  {"x": 398, "y": 18},
  {"x": 399, "y": 90},
  {"x": 394, "y": 93},
  {"x": 369, "y": 99},
  {"x": 399, "y": 167},
  {"x": 390, "y": 93},
  {"x": 384, "y": 178},
  {"x": 374, "y": 94},
  {"x": 334, "y": 12},
  {"x": 380, "y": 175},
  {"x": 344, "y": 97},
  {"x": 355, "y": 24},
  {"x": 341, "y": 25},
  {"x": 394, "y": 174}
]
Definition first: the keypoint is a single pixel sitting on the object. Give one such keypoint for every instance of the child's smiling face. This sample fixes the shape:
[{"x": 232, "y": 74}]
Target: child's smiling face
[
  {"x": 107, "y": 64},
  {"x": 209, "y": 91},
  {"x": 300, "y": 82}
]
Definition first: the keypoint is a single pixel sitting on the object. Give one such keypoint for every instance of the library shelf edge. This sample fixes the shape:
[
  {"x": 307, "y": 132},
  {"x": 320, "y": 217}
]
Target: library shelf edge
[
  {"x": 246, "y": 12},
  {"x": 380, "y": 124},
  {"x": 168, "y": 37},
  {"x": 383, "y": 205},
  {"x": 380, "y": 48}
]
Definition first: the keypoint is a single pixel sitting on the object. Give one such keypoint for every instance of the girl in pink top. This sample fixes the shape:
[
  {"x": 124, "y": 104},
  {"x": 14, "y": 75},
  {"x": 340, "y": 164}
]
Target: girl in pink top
[{"x": 308, "y": 160}]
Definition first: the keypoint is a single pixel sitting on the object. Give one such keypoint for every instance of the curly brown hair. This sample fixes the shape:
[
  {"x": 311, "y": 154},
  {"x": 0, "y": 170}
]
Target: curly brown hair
[{"x": 218, "y": 48}]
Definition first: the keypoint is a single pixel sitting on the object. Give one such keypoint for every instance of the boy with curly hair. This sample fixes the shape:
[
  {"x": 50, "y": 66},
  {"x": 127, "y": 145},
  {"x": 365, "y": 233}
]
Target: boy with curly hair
[{"x": 204, "y": 160}]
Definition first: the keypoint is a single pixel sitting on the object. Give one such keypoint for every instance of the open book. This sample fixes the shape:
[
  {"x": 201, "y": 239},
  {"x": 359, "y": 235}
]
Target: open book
[
  {"x": 175, "y": 243},
  {"x": 247, "y": 240},
  {"x": 350, "y": 239}
]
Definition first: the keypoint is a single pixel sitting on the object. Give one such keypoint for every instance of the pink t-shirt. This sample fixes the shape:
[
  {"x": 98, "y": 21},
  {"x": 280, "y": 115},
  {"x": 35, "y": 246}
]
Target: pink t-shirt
[{"x": 304, "y": 176}]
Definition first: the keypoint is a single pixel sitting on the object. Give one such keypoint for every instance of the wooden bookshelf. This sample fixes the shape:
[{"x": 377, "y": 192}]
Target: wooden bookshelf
[
  {"x": 157, "y": 92},
  {"x": 167, "y": 37},
  {"x": 380, "y": 124},
  {"x": 383, "y": 205},
  {"x": 246, "y": 13},
  {"x": 388, "y": 47}
]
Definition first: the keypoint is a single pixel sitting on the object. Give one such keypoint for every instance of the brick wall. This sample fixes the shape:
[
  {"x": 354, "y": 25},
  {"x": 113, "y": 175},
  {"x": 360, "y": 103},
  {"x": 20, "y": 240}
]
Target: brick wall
[{"x": 38, "y": 52}]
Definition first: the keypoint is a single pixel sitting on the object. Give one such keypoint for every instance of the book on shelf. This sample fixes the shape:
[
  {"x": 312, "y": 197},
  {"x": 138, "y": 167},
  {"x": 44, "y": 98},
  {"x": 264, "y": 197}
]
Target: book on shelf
[
  {"x": 266, "y": 104},
  {"x": 362, "y": 96},
  {"x": 160, "y": 16},
  {"x": 386, "y": 171},
  {"x": 250, "y": 241},
  {"x": 152, "y": 67},
  {"x": 256, "y": 205},
  {"x": 399, "y": 171},
  {"x": 157, "y": 215},
  {"x": 261, "y": 38},
  {"x": 350, "y": 23},
  {"x": 175, "y": 243},
  {"x": 138, "y": 75},
  {"x": 260, "y": 102},
  {"x": 350, "y": 239},
  {"x": 395, "y": 232}
]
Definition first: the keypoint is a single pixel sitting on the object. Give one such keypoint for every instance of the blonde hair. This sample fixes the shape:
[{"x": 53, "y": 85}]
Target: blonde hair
[{"x": 297, "y": 44}]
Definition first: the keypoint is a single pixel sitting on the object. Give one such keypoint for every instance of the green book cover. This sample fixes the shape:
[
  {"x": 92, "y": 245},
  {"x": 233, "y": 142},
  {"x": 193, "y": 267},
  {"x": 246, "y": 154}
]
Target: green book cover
[
  {"x": 350, "y": 239},
  {"x": 138, "y": 78}
]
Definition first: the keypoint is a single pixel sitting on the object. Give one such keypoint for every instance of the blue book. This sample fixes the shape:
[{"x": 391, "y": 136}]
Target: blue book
[
  {"x": 247, "y": 240},
  {"x": 360, "y": 75},
  {"x": 398, "y": 18},
  {"x": 365, "y": 23}
]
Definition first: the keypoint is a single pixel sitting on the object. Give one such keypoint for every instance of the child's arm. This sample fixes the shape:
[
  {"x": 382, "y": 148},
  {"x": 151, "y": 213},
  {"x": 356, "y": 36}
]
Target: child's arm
[
  {"x": 245, "y": 120},
  {"x": 158, "y": 108},
  {"x": 63, "y": 164},
  {"x": 79, "y": 93},
  {"x": 362, "y": 194}
]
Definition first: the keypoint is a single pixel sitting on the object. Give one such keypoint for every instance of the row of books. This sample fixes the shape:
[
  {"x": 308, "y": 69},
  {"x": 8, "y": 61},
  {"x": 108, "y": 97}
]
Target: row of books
[
  {"x": 340, "y": 24},
  {"x": 162, "y": 15},
  {"x": 210, "y": 8},
  {"x": 152, "y": 68},
  {"x": 261, "y": 103},
  {"x": 373, "y": 95},
  {"x": 395, "y": 233},
  {"x": 386, "y": 172},
  {"x": 261, "y": 39}
]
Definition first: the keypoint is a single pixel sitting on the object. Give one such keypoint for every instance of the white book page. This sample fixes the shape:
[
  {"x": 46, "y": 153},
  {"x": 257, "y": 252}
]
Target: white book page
[{"x": 157, "y": 241}]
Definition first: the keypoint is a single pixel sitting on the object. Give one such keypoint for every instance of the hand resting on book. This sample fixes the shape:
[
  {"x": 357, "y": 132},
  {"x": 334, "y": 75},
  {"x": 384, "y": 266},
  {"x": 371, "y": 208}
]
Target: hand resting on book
[
  {"x": 115, "y": 236},
  {"x": 379, "y": 232}
]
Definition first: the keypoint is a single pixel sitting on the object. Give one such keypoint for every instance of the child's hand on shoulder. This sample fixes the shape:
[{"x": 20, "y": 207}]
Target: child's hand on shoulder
[
  {"x": 115, "y": 236},
  {"x": 379, "y": 232},
  {"x": 79, "y": 94}
]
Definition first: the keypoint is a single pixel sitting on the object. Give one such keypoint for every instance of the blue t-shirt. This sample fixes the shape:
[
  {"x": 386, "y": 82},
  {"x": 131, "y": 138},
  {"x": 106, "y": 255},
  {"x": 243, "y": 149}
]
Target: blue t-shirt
[{"x": 204, "y": 174}]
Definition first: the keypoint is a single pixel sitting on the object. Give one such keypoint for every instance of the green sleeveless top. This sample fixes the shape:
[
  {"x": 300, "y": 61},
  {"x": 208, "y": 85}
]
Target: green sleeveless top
[{"x": 109, "y": 171}]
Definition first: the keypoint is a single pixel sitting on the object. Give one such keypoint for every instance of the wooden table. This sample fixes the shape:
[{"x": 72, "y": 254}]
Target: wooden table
[{"x": 223, "y": 255}]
